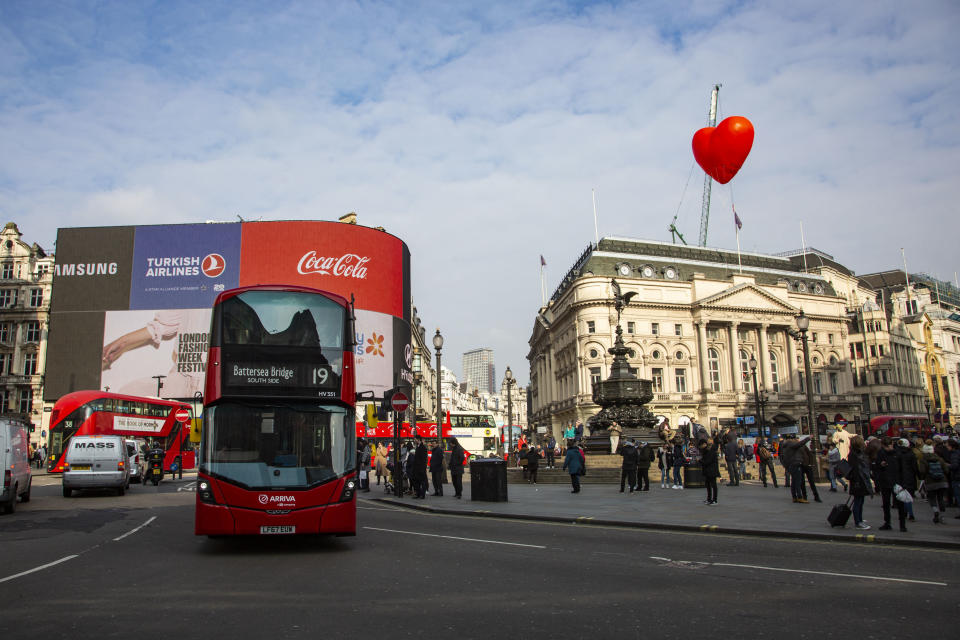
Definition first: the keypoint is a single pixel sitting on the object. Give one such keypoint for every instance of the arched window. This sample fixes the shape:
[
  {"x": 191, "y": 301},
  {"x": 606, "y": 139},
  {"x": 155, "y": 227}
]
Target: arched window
[
  {"x": 713, "y": 365},
  {"x": 774, "y": 374},
  {"x": 745, "y": 372}
]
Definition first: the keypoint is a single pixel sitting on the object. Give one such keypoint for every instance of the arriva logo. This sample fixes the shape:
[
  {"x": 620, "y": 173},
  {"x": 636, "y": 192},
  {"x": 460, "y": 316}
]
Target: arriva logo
[
  {"x": 265, "y": 499},
  {"x": 349, "y": 265}
]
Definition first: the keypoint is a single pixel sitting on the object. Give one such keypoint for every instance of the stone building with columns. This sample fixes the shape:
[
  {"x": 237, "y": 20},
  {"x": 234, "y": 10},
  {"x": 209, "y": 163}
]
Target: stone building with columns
[{"x": 699, "y": 316}]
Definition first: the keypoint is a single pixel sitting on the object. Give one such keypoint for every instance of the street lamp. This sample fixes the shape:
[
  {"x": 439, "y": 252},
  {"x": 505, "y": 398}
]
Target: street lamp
[
  {"x": 438, "y": 345},
  {"x": 926, "y": 403},
  {"x": 803, "y": 324},
  {"x": 159, "y": 380},
  {"x": 508, "y": 377},
  {"x": 756, "y": 397}
]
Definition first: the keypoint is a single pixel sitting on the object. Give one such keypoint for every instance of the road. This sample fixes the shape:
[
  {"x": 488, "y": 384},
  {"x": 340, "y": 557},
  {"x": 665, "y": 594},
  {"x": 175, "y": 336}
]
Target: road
[{"x": 106, "y": 566}]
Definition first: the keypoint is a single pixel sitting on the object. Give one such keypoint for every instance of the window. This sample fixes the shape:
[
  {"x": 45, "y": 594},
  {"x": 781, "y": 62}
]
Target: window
[
  {"x": 6, "y": 332},
  {"x": 29, "y": 364},
  {"x": 631, "y": 328},
  {"x": 31, "y": 331},
  {"x": 6, "y": 271},
  {"x": 745, "y": 371},
  {"x": 713, "y": 368},
  {"x": 594, "y": 353},
  {"x": 36, "y": 297},
  {"x": 774, "y": 372},
  {"x": 591, "y": 326},
  {"x": 657, "y": 379},
  {"x": 884, "y": 376},
  {"x": 813, "y": 336},
  {"x": 681, "y": 380},
  {"x": 742, "y": 335},
  {"x": 830, "y": 338},
  {"x": 873, "y": 351},
  {"x": 879, "y": 403},
  {"x": 679, "y": 355},
  {"x": 834, "y": 383},
  {"x": 678, "y": 329},
  {"x": 594, "y": 376},
  {"x": 8, "y": 297},
  {"x": 5, "y": 360},
  {"x": 713, "y": 334},
  {"x": 880, "y": 349},
  {"x": 818, "y": 382},
  {"x": 655, "y": 328},
  {"x": 859, "y": 349},
  {"x": 26, "y": 400},
  {"x": 655, "y": 355}
]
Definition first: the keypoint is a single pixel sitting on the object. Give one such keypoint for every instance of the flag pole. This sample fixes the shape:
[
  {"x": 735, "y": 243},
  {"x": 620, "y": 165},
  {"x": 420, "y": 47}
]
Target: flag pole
[
  {"x": 737, "y": 223},
  {"x": 803, "y": 247},
  {"x": 596, "y": 228},
  {"x": 739, "y": 262},
  {"x": 543, "y": 286}
]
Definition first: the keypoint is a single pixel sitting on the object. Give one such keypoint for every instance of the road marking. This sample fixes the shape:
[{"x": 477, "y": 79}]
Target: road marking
[
  {"x": 40, "y": 568},
  {"x": 807, "y": 571},
  {"x": 434, "y": 535},
  {"x": 132, "y": 531}
]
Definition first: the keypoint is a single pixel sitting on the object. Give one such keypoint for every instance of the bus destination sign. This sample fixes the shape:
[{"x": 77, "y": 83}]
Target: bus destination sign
[{"x": 297, "y": 379}]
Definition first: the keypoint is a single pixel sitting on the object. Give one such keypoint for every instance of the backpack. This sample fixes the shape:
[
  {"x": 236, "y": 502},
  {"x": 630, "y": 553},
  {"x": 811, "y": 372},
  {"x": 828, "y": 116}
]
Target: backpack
[
  {"x": 935, "y": 470},
  {"x": 763, "y": 453}
]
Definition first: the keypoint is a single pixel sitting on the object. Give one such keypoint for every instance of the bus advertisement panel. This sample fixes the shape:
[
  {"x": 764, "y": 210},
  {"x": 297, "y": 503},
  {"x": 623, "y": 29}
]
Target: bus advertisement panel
[{"x": 278, "y": 448}]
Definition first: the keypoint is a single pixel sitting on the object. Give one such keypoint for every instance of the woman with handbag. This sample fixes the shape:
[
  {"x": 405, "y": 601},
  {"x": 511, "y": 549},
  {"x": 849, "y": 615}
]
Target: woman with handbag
[{"x": 861, "y": 485}]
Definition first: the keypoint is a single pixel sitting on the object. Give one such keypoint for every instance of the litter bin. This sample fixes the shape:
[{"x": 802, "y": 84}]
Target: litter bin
[
  {"x": 488, "y": 480},
  {"x": 693, "y": 476}
]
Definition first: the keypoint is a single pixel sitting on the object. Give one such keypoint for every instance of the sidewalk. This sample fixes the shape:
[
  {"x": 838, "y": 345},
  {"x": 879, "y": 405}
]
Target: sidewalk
[{"x": 749, "y": 509}]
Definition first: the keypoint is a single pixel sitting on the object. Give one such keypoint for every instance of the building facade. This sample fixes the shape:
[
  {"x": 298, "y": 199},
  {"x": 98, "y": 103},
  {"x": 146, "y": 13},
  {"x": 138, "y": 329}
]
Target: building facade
[
  {"x": 479, "y": 371},
  {"x": 26, "y": 276},
  {"x": 698, "y": 318}
]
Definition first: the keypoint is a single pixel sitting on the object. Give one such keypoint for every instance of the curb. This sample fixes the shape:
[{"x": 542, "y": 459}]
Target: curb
[{"x": 859, "y": 538}]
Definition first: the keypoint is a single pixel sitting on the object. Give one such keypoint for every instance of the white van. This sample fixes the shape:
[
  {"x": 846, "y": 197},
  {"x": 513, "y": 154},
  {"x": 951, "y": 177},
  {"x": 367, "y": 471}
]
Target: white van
[
  {"x": 134, "y": 459},
  {"x": 15, "y": 456},
  {"x": 96, "y": 462}
]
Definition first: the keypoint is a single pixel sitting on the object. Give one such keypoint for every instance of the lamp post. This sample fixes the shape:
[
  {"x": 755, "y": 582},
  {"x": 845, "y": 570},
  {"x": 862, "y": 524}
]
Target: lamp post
[
  {"x": 756, "y": 397},
  {"x": 803, "y": 324},
  {"x": 926, "y": 403},
  {"x": 159, "y": 380},
  {"x": 508, "y": 377},
  {"x": 438, "y": 345}
]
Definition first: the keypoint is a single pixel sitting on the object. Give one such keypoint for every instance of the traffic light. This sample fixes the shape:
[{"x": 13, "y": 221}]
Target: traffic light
[
  {"x": 383, "y": 412},
  {"x": 33, "y": 428},
  {"x": 371, "y": 415}
]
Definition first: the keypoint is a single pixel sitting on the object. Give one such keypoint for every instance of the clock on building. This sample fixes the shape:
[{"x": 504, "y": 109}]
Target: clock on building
[
  {"x": 647, "y": 271},
  {"x": 670, "y": 273},
  {"x": 624, "y": 269}
]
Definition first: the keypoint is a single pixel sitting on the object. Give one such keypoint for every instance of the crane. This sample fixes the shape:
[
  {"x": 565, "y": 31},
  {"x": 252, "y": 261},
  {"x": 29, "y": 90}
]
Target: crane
[{"x": 707, "y": 180}]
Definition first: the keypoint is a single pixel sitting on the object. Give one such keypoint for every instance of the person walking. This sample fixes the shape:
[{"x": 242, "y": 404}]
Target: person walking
[
  {"x": 364, "y": 465},
  {"x": 644, "y": 458},
  {"x": 887, "y": 471},
  {"x": 833, "y": 460},
  {"x": 418, "y": 471},
  {"x": 665, "y": 463},
  {"x": 861, "y": 485},
  {"x": 575, "y": 464},
  {"x": 436, "y": 468},
  {"x": 792, "y": 461},
  {"x": 764, "y": 454},
  {"x": 808, "y": 458},
  {"x": 744, "y": 453},
  {"x": 730, "y": 457},
  {"x": 909, "y": 472},
  {"x": 678, "y": 458},
  {"x": 934, "y": 472},
  {"x": 533, "y": 463},
  {"x": 628, "y": 468},
  {"x": 456, "y": 467},
  {"x": 710, "y": 463},
  {"x": 551, "y": 451},
  {"x": 381, "y": 463}
]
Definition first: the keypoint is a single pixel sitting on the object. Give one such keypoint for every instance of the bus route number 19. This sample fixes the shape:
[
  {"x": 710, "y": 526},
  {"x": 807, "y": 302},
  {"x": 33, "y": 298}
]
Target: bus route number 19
[{"x": 320, "y": 376}]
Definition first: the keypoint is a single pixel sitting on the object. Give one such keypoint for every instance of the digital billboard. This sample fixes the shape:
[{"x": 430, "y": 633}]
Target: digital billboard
[{"x": 131, "y": 305}]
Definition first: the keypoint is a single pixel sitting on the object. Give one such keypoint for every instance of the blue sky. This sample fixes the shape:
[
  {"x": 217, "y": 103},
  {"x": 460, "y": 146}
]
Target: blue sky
[{"x": 476, "y": 131}]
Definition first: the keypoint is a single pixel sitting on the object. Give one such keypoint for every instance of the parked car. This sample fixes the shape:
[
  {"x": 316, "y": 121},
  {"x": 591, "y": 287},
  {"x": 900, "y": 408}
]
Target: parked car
[
  {"x": 96, "y": 462},
  {"x": 15, "y": 456},
  {"x": 135, "y": 460}
]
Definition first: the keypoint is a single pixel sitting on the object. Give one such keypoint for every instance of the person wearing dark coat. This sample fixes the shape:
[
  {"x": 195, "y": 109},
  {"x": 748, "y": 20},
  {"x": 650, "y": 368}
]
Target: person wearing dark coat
[
  {"x": 807, "y": 459},
  {"x": 456, "y": 467},
  {"x": 710, "y": 463},
  {"x": 628, "y": 468},
  {"x": 645, "y": 456},
  {"x": 861, "y": 485},
  {"x": 419, "y": 469},
  {"x": 436, "y": 468},
  {"x": 533, "y": 463},
  {"x": 909, "y": 472},
  {"x": 730, "y": 457},
  {"x": 575, "y": 464},
  {"x": 886, "y": 471}
]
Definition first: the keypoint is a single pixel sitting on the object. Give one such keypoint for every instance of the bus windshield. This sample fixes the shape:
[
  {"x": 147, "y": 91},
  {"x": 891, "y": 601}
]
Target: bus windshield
[
  {"x": 272, "y": 446},
  {"x": 281, "y": 318}
]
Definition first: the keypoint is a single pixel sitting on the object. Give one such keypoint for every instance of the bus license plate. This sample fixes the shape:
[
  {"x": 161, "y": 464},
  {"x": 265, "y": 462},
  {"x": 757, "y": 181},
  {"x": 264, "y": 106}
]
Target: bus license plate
[{"x": 278, "y": 529}]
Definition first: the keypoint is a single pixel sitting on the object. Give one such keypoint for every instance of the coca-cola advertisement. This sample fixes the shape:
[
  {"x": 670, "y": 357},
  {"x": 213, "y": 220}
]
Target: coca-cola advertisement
[{"x": 347, "y": 259}]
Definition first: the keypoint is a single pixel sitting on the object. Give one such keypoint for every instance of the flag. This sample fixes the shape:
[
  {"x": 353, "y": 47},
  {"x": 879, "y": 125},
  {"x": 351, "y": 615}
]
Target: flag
[
  {"x": 737, "y": 221},
  {"x": 543, "y": 262}
]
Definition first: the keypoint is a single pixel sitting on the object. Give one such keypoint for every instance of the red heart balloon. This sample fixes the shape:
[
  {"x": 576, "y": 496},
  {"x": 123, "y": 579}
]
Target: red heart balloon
[{"x": 723, "y": 149}]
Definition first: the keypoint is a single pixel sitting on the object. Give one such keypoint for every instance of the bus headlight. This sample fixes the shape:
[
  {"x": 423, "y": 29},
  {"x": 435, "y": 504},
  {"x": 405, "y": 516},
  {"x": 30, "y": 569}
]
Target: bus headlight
[
  {"x": 349, "y": 489},
  {"x": 205, "y": 492}
]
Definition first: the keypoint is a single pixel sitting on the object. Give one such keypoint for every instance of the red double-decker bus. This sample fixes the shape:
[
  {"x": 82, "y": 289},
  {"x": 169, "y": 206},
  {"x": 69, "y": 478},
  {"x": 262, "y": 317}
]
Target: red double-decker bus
[
  {"x": 154, "y": 420},
  {"x": 278, "y": 449}
]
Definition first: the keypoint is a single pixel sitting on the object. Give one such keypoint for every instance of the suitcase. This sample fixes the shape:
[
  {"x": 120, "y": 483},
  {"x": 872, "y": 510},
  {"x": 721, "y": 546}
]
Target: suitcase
[{"x": 839, "y": 515}]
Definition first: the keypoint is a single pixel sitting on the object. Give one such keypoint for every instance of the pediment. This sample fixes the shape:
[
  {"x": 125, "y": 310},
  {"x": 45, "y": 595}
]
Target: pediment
[{"x": 745, "y": 297}]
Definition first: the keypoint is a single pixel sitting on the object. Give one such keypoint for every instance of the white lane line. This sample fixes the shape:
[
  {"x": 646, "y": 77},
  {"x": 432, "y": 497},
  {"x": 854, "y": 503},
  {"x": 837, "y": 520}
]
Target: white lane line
[
  {"x": 434, "y": 535},
  {"x": 132, "y": 531},
  {"x": 40, "y": 568},
  {"x": 830, "y": 573}
]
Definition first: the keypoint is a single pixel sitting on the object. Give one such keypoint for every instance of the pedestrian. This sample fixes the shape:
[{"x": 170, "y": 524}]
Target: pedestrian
[
  {"x": 886, "y": 469},
  {"x": 833, "y": 460},
  {"x": 457, "y": 456},
  {"x": 418, "y": 470},
  {"x": 909, "y": 473},
  {"x": 569, "y": 433},
  {"x": 533, "y": 463},
  {"x": 665, "y": 464},
  {"x": 808, "y": 458},
  {"x": 859, "y": 477},
  {"x": 730, "y": 457},
  {"x": 841, "y": 438},
  {"x": 744, "y": 453},
  {"x": 381, "y": 463},
  {"x": 679, "y": 456},
  {"x": 710, "y": 463},
  {"x": 645, "y": 456},
  {"x": 575, "y": 464},
  {"x": 578, "y": 431},
  {"x": 364, "y": 465},
  {"x": 615, "y": 430},
  {"x": 436, "y": 468},
  {"x": 551, "y": 451},
  {"x": 934, "y": 473},
  {"x": 628, "y": 468},
  {"x": 792, "y": 461}
]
